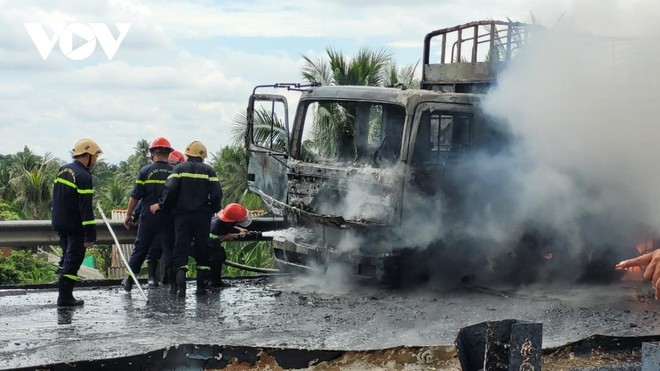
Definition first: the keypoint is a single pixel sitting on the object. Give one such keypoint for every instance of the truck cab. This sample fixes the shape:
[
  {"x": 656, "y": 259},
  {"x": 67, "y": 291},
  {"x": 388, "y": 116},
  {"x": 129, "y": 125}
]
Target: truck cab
[{"x": 367, "y": 177}]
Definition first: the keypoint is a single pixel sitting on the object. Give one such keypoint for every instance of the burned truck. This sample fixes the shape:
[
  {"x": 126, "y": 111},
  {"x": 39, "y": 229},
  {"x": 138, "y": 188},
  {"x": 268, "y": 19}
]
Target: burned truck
[{"x": 370, "y": 178}]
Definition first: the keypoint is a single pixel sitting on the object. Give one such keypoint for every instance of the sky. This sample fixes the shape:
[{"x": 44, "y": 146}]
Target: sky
[{"x": 185, "y": 69}]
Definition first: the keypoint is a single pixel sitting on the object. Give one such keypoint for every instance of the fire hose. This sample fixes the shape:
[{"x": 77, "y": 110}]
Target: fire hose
[
  {"x": 250, "y": 269},
  {"x": 250, "y": 236},
  {"x": 121, "y": 254}
]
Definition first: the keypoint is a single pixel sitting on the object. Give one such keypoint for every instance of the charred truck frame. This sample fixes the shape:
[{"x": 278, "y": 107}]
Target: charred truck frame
[{"x": 358, "y": 161}]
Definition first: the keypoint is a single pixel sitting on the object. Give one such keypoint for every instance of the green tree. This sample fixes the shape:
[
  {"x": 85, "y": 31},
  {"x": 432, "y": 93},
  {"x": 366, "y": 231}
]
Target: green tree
[
  {"x": 405, "y": 76},
  {"x": 24, "y": 267},
  {"x": 334, "y": 127},
  {"x": 230, "y": 163},
  {"x": 32, "y": 183},
  {"x": 5, "y": 176},
  {"x": 114, "y": 193},
  {"x": 364, "y": 68},
  {"x": 267, "y": 128}
]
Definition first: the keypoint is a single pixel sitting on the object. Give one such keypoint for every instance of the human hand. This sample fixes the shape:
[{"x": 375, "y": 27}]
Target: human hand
[
  {"x": 652, "y": 272},
  {"x": 154, "y": 208},
  {"x": 229, "y": 237},
  {"x": 128, "y": 221},
  {"x": 89, "y": 245}
]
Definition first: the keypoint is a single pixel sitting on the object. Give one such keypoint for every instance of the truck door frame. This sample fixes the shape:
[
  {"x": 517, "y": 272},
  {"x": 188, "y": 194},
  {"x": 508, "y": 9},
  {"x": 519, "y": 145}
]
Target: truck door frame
[{"x": 266, "y": 162}]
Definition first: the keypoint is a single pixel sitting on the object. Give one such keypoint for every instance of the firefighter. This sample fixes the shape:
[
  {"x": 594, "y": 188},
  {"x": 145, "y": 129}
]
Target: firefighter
[
  {"x": 73, "y": 216},
  {"x": 650, "y": 262},
  {"x": 155, "y": 251},
  {"x": 148, "y": 188},
  {"x": 176, "y": 158},
  {"x": 193, "y": 194},
  {"x": 227, "y": 225}
]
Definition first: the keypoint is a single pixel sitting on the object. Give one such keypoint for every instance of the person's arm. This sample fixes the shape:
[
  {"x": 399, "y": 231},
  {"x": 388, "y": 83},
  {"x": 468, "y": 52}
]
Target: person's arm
[
  {"x": 85, "y": 192},
  {"x": 170, "y": 193},
  {"x": 215, "y": 191},
  {"x": 128, "y": 219},
  {"x": 652, "y": 272}
]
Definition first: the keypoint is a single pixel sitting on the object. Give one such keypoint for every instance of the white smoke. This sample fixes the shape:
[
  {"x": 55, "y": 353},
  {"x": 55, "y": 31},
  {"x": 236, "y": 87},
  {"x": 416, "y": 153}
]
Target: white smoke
[
  {"x": 580, "y": 103},
  {"x": 580, "y": 99}
]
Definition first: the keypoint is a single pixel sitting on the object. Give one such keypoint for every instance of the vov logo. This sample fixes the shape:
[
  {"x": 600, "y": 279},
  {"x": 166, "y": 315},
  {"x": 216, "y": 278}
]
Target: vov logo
[{"x": 64, "y": 33}]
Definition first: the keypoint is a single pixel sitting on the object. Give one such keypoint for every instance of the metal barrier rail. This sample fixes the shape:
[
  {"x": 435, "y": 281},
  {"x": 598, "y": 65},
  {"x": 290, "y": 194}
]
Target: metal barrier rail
[{"x": 30, "y": 233}]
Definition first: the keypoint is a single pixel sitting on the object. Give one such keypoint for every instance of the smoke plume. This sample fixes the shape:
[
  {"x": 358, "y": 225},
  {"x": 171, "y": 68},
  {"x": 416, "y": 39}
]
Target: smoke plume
[{"x": 580, "y": 103}]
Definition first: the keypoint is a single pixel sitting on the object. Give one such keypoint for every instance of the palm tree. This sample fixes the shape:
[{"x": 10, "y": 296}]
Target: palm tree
[
  {"x": 32, "y": 183},
  {"x": 334, "y": 126},
  {"x": 267, "y": 129},
  {"x": 141, "y": 156},
  {"x": 365, "y": 68},
  {"x": 114, "y": 193},
  {"x": 230, "y": 163},
  {"x": 405, "y": 76},
  {"x": 25, "y": 160},
  {"x": 5, "y": 176}
]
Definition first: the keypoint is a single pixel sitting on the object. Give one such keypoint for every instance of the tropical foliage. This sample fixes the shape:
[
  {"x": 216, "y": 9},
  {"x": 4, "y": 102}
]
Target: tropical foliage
[
  {"x": 333, "y": 133},
  {"x": 24, "y": 267}
]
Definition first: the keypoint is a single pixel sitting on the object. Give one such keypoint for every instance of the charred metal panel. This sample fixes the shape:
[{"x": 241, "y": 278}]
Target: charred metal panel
[
  {"x": 360, "y": 194},
  {"x": 459, "y": 72},
  {"x": 505, "y": 345}
]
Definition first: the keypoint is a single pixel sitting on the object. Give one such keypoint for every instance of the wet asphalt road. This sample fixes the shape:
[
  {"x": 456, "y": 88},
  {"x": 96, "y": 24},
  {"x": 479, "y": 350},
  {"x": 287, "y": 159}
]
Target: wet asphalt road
[{"x": 303, "y": 312}]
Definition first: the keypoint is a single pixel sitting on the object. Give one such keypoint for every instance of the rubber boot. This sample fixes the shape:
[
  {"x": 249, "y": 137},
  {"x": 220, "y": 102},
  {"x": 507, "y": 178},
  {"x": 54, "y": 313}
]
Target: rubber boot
[
  {"x": 201, "y": 282},
  {"x": 65, "y": 297},
  {"x": 127, "y": 283},
  {"x": 214, "y": 279},
  {"x": 166, "y": 276},
  {"x": 152, "y": 266},
  {"x": 181, "y": 282},
  {"x": 218, "y": 284},
  {"x": 171, "y": 278}
]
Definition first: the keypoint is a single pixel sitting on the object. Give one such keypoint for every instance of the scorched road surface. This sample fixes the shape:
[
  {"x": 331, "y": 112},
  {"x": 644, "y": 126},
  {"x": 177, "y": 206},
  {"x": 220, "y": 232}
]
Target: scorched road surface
[{"x": 306, "y": 313}]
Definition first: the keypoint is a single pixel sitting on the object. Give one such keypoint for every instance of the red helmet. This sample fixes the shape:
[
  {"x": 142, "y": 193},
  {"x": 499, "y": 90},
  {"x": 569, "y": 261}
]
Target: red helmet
[
  {"x": 176, "y": 157},
  {"x": 160, "y": 143},
  {"x": 235, "y": 213}
]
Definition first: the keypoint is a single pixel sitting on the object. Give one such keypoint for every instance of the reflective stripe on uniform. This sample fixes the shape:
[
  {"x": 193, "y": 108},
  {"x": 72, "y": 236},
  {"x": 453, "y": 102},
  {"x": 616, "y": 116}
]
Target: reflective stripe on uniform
[
  {"x": 71, "y": 277},
  {"x": 214, "y": 179},
  {"x": 214, "y": 236},
  {"x": 203, "y": 268},
  {"x": 89, "y": 222},
  {"x": 72, "y": 185},
  {"x": 66, "y": 182},
  {"x": 150, "y": 181},
  {"x": 193, "y": 175}
]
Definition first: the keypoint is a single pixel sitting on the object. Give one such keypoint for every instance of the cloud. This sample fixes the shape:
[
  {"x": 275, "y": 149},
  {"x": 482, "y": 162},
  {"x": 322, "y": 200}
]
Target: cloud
[{"x": 185, "y": 68}]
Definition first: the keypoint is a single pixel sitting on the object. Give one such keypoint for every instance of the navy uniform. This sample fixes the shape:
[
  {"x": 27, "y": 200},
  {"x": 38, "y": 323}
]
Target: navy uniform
[
  {"x": 148, "y": 188},
  {"x": 193, "y": 194},
  {"x": 73, "y": 216},
  {"x": 225, "y": 226}
]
